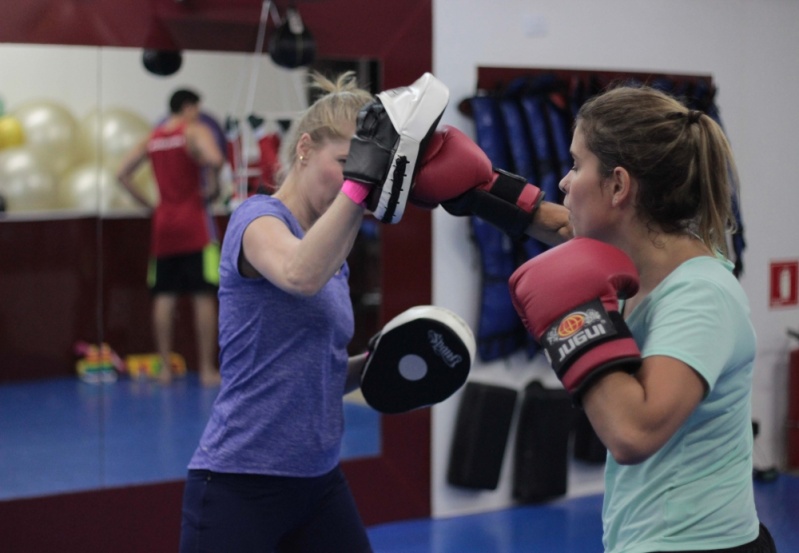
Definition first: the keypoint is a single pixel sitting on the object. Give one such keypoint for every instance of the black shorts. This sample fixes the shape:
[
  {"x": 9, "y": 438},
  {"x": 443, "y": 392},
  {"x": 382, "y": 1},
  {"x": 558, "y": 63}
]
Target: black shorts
[{"x": 191, "y": 273}]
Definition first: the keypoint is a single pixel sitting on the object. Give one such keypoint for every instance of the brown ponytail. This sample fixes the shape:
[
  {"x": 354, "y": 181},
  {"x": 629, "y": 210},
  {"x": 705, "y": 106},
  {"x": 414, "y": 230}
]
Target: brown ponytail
[{"x": 680, "y": 158}]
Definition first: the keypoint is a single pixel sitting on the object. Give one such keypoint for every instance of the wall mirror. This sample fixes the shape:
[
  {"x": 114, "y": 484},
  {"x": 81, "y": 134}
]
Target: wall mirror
[
  {"x": 69, "y": 225},
  {"x": 71, "y": 262}
]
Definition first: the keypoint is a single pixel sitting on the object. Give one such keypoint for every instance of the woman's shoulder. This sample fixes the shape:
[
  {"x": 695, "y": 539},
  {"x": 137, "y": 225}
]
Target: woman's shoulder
[
  {"x": 714, "y": 269},
  {"x": 262, "y": 205},
  {"x": 703, "y": 280},
  {"x": 259, "y": 204}
]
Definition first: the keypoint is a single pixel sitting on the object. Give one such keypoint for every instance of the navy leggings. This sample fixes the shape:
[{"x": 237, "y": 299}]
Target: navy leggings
[{"x": 249, "y": 513}]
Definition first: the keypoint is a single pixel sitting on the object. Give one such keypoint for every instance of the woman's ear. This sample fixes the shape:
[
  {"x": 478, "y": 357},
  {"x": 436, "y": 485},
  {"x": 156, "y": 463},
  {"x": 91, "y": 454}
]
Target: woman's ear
[
  {"x": 303, "y": 146},
  {"x": 621, "y": 186}
]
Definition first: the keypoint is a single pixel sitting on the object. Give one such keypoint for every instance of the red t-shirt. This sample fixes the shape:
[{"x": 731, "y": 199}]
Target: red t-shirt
[{"x": 181, "y": 222}]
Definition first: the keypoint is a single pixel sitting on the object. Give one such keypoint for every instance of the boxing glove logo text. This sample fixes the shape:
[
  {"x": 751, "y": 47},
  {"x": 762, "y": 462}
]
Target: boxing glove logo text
[
  {"x": 575, "y": 332},
  {"x": 440, "y": 348}
]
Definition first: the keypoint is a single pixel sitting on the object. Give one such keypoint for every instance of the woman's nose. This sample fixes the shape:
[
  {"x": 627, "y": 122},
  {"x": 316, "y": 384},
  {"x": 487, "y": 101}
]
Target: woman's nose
[{"x": 563, "y": 183}]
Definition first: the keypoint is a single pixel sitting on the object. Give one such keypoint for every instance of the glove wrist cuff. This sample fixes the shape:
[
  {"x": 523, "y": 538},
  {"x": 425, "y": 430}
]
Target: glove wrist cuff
[
  {"x": 356, "y": 191},
  {"x": 516, "y": 190},
  {"x": 586, "y": 342}
]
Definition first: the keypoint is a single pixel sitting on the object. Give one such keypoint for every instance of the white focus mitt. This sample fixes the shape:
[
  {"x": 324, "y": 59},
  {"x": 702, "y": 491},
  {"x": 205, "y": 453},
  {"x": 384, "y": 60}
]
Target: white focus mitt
[{"x": 390, "y": 137}]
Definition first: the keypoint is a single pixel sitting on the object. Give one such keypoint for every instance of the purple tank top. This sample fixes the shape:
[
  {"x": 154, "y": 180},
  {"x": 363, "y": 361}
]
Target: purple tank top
[{"x": 283, "y": 360}]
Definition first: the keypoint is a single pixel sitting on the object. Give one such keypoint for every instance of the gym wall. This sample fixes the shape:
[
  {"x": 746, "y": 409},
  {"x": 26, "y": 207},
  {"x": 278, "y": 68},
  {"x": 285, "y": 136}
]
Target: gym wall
[{"x": 744, "y": 47}]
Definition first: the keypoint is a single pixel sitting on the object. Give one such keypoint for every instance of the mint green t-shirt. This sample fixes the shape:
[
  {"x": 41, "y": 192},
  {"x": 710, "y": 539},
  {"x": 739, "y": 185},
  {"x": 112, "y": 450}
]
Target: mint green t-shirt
[{"x": 696, "y": 491}]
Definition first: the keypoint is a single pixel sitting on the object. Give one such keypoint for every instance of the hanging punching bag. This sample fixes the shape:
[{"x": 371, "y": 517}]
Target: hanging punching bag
[{"x": 292, "y": 45}]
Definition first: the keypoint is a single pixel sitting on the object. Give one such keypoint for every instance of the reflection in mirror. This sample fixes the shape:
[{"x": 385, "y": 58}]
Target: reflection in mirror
[{"x": 76, "y": 412}]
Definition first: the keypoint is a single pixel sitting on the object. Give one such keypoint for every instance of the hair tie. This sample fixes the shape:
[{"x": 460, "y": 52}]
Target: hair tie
[{"x": 693, "y": 116}]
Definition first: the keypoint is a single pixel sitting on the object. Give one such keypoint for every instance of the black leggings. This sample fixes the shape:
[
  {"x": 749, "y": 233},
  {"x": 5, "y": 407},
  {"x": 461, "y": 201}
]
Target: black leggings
[
  {"x": 247, "y": 513},
  {"x": 764, "y": 543}
]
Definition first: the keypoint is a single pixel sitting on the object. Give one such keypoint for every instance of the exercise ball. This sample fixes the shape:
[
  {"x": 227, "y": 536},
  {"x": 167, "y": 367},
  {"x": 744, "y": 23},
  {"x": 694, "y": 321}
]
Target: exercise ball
[
  {"x": 11, "y": 133},
  {"x": 26, "y": 183},
  {"x": 108, "y": 135},
  {"x": 93, "y": 186},
  {"x": 144, "y": 181},
  {"x": 51, "y": 132},
  {"x": 216, "y": 128},
  {"x": 87, "y": 186}
]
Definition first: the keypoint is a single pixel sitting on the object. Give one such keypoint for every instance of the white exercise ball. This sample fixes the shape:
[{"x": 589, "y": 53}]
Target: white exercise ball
[
  {"x": 144, "y": 182},
  {"x": 51, "y": 131},
  {"x": 108, "y": 135},
  {"x": 87, "y": 186},
  {"x": 26, "y": 184}
]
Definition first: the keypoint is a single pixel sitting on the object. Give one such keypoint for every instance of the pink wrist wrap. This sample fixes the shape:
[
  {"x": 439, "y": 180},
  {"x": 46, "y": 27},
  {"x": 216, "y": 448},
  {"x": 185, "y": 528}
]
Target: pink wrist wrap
[{"x": 356, "y": 191}]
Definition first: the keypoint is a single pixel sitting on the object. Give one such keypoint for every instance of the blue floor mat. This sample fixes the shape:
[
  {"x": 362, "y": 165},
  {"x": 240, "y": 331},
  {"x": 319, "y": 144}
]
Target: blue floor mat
[
  {"x": 64, "y": 435},
  {"x": 571, "y": 525}
]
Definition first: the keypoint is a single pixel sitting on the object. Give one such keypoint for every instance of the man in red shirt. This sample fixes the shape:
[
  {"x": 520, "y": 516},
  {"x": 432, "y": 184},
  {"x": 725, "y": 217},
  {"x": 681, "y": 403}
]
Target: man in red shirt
[{"x": 184, "y": 246}]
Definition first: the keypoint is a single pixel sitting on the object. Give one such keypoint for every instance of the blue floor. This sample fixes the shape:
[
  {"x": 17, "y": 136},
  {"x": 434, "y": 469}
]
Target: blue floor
[
  {"x": 566, "y": 526},
  {"x": 63, "y": 435}
]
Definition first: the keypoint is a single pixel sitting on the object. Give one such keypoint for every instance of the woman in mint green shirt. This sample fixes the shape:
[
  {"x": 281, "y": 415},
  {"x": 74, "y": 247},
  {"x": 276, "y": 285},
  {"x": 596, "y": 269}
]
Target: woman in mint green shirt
[{"x": 654, "y": 179}]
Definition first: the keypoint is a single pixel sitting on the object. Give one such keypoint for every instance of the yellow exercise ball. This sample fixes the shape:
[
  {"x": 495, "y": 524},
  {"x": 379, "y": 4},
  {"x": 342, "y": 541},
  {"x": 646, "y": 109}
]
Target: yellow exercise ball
[
  {"x": 108, "y": 135},
  {"x": 26, "y": 183},
  {"x": 11, "y": 132},
  {"x": 51, "y": 131}
]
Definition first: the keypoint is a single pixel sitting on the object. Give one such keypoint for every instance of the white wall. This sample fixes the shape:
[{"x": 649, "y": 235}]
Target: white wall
[
  {"x": 83, "y": 79},
  {"x": 750, "y": 50}
]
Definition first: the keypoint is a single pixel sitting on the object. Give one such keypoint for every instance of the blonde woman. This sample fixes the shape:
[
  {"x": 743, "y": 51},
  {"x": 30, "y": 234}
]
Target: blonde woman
[{"x": 266, "y": 474}]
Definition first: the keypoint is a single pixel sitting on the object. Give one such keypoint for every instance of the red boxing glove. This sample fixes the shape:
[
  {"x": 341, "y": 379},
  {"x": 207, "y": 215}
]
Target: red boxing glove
[
  {"x": 568, "y": 299},
  {"x": 457, "y": 174}
]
